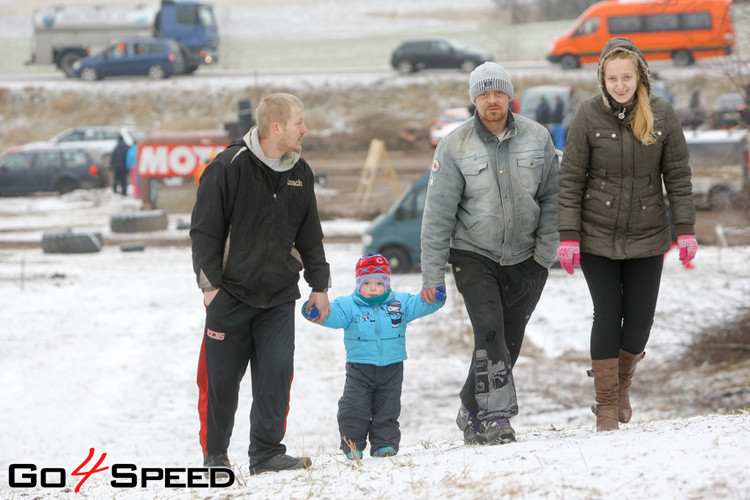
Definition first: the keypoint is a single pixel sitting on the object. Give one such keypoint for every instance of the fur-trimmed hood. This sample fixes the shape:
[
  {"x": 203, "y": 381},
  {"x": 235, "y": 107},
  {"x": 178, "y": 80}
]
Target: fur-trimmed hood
[{"x": 621, "y": 45}]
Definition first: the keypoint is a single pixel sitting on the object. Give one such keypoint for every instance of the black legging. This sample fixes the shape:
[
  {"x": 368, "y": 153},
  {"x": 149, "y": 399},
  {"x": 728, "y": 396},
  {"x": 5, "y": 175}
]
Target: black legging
[{"x": 624, "y": 293}]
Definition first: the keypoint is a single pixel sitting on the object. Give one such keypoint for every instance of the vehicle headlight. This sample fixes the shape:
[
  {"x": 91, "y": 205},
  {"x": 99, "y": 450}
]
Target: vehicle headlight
[
  {"x": 366, "y": 239},
  {"x": 550, "y": 47}
]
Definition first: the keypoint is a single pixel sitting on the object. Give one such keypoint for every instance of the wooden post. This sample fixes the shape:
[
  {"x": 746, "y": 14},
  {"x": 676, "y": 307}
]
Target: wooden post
[{"x": 376, "y": 156}]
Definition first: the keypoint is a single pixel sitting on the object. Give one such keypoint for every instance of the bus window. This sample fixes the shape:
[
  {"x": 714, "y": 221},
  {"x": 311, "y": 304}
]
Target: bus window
[
  {"x": 662, "y": 22},
  {"x": 625, "y": 24}
]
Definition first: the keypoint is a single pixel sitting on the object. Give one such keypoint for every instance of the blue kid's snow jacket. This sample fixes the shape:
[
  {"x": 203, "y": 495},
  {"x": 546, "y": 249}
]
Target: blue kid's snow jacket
[{"x": 376, "y": 334}]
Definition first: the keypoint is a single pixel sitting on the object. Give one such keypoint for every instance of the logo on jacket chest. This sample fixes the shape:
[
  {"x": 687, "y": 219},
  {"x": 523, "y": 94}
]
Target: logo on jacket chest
[{"x": 295, "y": 183}]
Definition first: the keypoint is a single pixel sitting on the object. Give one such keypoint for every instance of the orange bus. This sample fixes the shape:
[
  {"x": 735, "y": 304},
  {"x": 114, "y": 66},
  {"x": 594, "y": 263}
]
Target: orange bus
[{"x": 681, "y": 30}]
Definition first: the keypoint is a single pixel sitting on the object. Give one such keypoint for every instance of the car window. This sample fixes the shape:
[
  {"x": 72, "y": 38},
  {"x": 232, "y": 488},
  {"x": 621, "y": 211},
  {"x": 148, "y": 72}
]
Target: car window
[
  {"x": 117, "y": 51},
  {"x": 110, "y": 135},
  {"x": 412, "y": 205},
  {"x": 46, "y": 160},
  {"x": 74, "y": 159},
  {"x": 152, "y": 48},
  {"x": 442, "y": 46},
  {"x": 18, "y": 161},
  {"x": 76, "y": 135}
]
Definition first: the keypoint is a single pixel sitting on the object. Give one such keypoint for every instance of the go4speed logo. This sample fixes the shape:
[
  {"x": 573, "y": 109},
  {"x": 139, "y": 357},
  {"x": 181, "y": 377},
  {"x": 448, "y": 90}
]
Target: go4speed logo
[{"x": 123, "y": 475}]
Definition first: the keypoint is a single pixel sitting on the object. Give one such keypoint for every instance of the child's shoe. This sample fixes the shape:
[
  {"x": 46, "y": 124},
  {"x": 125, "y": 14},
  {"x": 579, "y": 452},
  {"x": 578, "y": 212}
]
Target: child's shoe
[
  {"x": 385, "y": 451},
  {"x": 354, "y": 454}
]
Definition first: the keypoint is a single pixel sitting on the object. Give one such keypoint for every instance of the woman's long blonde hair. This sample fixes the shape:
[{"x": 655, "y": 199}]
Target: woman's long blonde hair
[{"x": 641, "y": 120}]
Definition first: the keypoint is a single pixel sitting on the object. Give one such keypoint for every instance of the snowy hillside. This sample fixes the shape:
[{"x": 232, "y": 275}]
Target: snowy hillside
[{"x": 100, "y": 351}]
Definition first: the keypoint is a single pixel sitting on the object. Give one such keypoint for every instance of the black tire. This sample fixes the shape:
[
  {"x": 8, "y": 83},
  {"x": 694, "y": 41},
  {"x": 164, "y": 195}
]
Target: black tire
[
  {"x": 720, "y": 197},
  {"x": 69, "y": 242},
  {"x": 467, "y": 65},
  {"x": 89, "y": 75},
  {"x": 682, "y": 58},
  {"x": 148, "y": 220},
  {"x": 405, "y": 67},
  {"x": 569, "y": 61},
  {"x": 133, "y": 247},
  {"x": 156, "y": 72},
  {"x": 68, "y": 60},
  {"x": 398, "y": 258},
  {"x": 66, "y": 185}
]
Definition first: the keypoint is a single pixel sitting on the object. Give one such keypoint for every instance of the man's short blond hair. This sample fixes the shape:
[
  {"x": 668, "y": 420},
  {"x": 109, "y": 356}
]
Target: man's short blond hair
[{"x": 275, "y": 108}]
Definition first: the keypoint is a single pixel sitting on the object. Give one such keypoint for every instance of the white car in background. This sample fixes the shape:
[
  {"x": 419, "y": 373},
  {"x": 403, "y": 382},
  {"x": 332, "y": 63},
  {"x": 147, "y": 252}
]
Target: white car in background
[
  {"x": 449, "y": 120},
  {"x": 98, "y": 140}
]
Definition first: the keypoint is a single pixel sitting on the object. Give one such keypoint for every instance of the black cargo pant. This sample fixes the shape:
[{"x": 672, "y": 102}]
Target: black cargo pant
[
  {"x": 624, "y": 293},
  {"x": 499, "y": 300},
  {"x": 371, "y": 405},
  {"x": 235, "y": 335}
]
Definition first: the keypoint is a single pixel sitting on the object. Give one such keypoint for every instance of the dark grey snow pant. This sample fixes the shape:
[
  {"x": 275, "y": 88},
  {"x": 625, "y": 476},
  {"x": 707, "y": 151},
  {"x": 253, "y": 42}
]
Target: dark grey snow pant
[
  {"x": 371, "y": 405},
  {"x": 499, "y": 300}
]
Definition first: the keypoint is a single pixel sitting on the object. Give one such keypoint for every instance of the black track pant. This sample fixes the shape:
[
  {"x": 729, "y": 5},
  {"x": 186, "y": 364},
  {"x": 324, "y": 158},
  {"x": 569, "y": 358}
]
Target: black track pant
[
  {"x": 624, "y": 294},
  {"x": 371, "y": 405},
  {"x": 235, "y": 335},
  {"x": 499, "y": 300}
]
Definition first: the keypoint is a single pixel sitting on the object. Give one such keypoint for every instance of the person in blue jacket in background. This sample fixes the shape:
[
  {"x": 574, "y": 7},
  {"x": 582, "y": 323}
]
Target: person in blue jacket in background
[{"x": 374, "y": 319}]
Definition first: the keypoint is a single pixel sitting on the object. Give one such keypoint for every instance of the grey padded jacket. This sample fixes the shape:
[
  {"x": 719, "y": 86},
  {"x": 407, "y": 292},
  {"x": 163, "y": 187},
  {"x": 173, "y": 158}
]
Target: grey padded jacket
[{"x": 497, "y": 198}]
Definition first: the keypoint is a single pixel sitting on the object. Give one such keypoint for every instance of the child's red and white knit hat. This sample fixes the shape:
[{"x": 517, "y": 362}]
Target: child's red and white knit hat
[{"x": 373, "y": 266}]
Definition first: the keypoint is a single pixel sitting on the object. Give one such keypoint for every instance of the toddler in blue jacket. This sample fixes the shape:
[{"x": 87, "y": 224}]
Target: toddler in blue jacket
[{"x": 374, "y": 319}]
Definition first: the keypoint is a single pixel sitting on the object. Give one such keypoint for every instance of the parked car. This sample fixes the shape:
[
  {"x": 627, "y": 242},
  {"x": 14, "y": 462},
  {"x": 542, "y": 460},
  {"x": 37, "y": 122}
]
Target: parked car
[
  {"x": 720, "y": 161},
  {"x": 448, "y": 121},
  {"x": 156, "y": 58},
  {"x": 28, "y": 170},
  {"x": 729, "y": 110},
  {"x": 436, "y": 53},
  {"x": 395, "y": 234},
  {"x": 97, "y": 140}
]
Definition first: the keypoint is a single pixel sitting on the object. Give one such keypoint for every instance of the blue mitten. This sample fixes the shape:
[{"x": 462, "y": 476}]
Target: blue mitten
[
  {"x": 440, "y": 294},
  {"x": 313, "y": 313}
]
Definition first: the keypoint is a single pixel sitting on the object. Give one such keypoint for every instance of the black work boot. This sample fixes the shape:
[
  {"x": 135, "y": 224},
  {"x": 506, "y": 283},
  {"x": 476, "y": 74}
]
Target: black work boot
[
  {"x": 499, "y": 431},
  {"x": 217, "y": 461},
  {"x": 281, "y": 462},
  {"x": 471, "y": 426}
]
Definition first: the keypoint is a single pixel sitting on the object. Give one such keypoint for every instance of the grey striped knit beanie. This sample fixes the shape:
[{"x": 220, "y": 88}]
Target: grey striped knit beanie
[{"x": 489, "y": 76}]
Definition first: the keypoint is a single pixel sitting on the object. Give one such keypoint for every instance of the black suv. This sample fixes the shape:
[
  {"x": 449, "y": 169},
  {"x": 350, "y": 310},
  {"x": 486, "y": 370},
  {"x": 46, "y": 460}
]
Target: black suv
[{"x": 433, "y": 53}]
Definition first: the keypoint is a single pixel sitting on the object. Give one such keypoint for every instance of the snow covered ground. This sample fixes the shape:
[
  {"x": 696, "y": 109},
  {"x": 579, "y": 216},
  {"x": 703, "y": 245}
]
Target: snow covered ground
[{"x": 100, "y": 351}]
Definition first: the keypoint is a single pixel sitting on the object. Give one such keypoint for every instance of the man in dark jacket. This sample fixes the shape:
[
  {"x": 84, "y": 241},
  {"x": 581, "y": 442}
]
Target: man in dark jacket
[
  {"x": 120, "y": 165},
  {"x": 255, "y": 226}
]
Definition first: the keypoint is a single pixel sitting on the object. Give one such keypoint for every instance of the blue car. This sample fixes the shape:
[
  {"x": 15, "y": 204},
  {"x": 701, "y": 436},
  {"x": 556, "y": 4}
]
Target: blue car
[{"x": 155, "y": 58}]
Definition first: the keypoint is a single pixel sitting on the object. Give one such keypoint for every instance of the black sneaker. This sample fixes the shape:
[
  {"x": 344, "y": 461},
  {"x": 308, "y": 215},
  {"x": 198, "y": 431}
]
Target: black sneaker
[
  {"x": 499, "y": 431},
  {"x": 281, "y": 462},
  {"x": 218, "y": 461},
  {"x": 471, "y": 426}
]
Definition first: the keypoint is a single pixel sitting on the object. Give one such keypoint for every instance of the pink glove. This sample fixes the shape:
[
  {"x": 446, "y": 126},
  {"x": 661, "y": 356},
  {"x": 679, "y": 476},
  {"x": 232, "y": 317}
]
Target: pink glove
[
  {"x": 688, "y": 246},
  {"x": 569, "y": 254}
]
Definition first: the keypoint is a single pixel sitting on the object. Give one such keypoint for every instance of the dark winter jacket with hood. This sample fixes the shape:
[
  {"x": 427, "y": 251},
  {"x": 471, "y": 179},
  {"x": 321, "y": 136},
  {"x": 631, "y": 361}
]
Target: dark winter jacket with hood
[
  {"x": 253, "y": 239},
  {"x": 611, "y": 197}
]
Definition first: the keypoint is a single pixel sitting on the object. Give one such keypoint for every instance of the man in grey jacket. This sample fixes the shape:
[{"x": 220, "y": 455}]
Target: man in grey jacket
[{"x": 491, "y": 211}]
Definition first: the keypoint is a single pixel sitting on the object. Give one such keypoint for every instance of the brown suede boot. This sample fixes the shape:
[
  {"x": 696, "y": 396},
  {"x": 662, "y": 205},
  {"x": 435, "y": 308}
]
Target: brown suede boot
[
  {"x": 626, "y": 370},
  {"x": 606, "y": 382}
]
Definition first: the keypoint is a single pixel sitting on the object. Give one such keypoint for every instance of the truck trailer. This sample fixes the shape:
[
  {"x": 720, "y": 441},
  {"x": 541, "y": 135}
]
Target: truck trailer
[{"x": 64, "y": 34}]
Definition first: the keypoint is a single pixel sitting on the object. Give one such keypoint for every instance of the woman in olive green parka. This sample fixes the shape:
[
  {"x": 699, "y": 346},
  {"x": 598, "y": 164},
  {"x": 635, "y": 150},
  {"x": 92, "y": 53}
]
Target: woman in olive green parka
[{"x": 623, "y": 147}]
